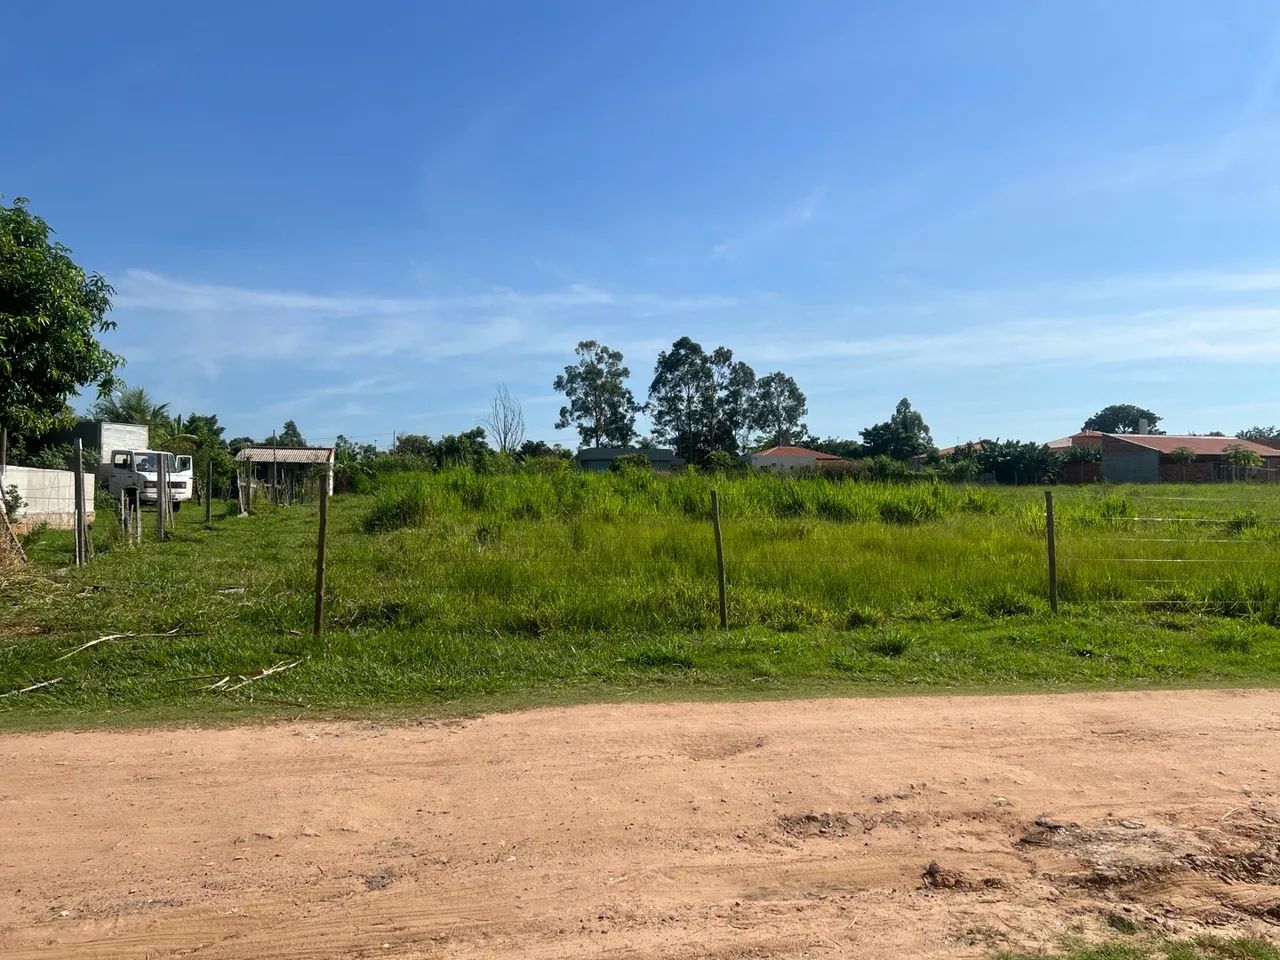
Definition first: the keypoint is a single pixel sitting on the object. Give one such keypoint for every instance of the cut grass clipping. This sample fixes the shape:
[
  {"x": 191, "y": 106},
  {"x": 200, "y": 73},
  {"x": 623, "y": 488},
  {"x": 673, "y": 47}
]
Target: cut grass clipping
[{"x": 462, "y": 591}]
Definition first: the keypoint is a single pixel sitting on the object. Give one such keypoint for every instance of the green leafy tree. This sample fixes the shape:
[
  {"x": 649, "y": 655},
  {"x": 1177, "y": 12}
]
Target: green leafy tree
[
  {"x": 204, "y": 438},
  {"x": 1268, "y": 435},
  {"x": 903, "y": 436},
  {"x": 51, "y": 313},
  {"x": 778, "y": 409},
  {"x": 600, "y": 405},
  {"x": 1122, "y": 418},
  {"x": 701, "y": 402},
  {"x": 681, "y": 397},
  {"x": 1239, "y": 455},
  {"x": 1012, "y": 461},
  {"x": 838, "y": 447},
  {"x": 290, "y": 436},
  {"x": 1183, "y": 455},
  {"x": 236, "y": 444},
  {"x": 540, "y": 449}
]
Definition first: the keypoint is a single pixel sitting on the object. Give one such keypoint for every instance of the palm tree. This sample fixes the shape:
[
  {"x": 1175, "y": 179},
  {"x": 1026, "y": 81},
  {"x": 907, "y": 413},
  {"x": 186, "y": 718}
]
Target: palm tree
[
  {"x": 131, "y": 405},
  {"x": 135, "y": 405}
]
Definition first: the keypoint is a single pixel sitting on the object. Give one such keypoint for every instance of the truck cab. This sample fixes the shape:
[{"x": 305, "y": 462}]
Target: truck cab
[{"x": 134, "y": 473}]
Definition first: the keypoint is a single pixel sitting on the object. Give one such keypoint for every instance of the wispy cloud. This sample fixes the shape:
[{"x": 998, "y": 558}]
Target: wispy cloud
[
  {"x": 211, "y": 325},
  {"x": 796, "y": 215}
]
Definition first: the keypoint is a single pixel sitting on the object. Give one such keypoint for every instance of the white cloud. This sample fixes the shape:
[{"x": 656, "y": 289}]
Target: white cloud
[{"x": 210, "y": 325}]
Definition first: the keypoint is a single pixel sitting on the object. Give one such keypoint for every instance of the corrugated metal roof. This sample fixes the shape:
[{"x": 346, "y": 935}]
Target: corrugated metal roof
[
  {"x": 269, "y": 454},
  {"x": 1203, "y": 446}
]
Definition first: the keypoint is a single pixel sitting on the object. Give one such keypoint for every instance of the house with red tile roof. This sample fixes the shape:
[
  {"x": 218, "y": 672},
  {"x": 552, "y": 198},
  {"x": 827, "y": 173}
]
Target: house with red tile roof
[
  {"x": 788, "y": 459},
  {"x": 1149, "y": 457}
]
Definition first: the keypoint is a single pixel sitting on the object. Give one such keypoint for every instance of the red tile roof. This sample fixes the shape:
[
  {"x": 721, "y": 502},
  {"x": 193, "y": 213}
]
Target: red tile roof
[
  {"x": 1203, "y": 446},
  {"x": 797, "y": 452}
]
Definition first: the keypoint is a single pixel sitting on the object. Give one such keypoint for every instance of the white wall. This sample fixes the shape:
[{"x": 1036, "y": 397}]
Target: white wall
[
  {"x": 783, "y": 464},
  {"x": 50, "y": 495}
]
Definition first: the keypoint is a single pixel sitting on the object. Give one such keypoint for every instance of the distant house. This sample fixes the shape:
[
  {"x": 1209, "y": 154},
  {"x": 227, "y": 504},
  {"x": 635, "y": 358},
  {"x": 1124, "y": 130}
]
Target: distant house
[
  {"x": 789, "y": 459},
  {"x": 1148, "y": 457},
  {"x": 287, "y": 473},
  {"x": 602, "y": 458}
]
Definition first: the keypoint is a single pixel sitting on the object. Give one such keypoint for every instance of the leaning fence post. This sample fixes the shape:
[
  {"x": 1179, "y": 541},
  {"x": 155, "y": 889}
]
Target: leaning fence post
[
  {"x": 1051, "y": 541},
  {"x": 318, "y": 622},
  {"x": 715, "y": 523},
  {"x": 78, "y": 493}
]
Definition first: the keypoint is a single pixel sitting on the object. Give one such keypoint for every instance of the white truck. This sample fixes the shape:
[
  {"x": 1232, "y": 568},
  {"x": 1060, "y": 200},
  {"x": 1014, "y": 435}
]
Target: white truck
[{"x": 134, "y": 473}]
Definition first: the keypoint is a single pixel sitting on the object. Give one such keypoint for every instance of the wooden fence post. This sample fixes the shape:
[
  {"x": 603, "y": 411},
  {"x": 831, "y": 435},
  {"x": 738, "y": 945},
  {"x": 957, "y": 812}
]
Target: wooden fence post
[
  {"x": 1051, "y": 541},
  {"x": 208, "y": 496},
  {"x": 161, "y": 480},
  {"x": 715, "y": 523},
  {"x": 78, "y": 488},
  {"x": 318, "y": 622}
]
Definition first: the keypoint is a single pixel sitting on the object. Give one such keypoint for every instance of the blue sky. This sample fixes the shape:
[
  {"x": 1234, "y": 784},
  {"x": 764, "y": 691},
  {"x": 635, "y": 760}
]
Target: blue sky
[{"x": 365, "y": 217}]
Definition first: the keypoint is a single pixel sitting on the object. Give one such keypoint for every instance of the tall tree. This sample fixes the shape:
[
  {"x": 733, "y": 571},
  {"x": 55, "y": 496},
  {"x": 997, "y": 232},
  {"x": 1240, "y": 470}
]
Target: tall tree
[
  {"x": 51, "y": 313},
  {"x": 701, "y": 402},
  {"x": 903, "y": 436},
  {"x": 290, "y": 436},
  {"x": 735, "y": 391},
  {"x": 505, "y": 421},
  {"x": 601, "y": 406},
  {"x": 1122, "y": 418},
  {"x": 682, "y": 399},
  {"x": 778, "y": 409}
]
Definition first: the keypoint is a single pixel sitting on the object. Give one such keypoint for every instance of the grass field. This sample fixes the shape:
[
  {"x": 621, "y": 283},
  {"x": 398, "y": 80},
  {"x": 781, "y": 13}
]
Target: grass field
[
  {"x": 456, "y": 592},
  {"x": 1203, "y": 948}
]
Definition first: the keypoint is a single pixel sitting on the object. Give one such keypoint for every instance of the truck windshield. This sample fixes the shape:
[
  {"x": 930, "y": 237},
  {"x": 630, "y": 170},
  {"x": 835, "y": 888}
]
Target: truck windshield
[{"x": 146, "y": 461}]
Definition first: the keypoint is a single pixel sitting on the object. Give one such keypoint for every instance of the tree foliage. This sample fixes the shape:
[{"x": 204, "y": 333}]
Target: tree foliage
[
  {"x": 701, "y": 402},
  {"x": 600, "y": 405},
  {"x": 1267, "y": 435},
  {"x": 290, "y": 436},
  {"x": 903, "y": 436},
  {"x": 51, "y": 313},
  {"x": 125, "y": 404},
  {"x": 1239, "y": 455},
  {"x": 778, "y": 409},
  {"x": 1122, "y": 418}
]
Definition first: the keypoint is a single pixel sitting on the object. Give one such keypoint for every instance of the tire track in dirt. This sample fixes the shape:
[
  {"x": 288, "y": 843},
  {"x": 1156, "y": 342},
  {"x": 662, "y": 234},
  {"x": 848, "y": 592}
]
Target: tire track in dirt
[{"x": 893, "y": 828}]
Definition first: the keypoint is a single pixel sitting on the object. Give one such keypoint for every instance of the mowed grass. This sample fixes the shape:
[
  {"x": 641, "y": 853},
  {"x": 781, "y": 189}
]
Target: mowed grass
[{"x": 457, "y": 592}]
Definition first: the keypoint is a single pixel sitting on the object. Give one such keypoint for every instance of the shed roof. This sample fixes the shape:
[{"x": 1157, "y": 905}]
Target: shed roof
[
  {"x": 1203, "y": 446},
  {"x": 804, "y": 452},
  {"x": 265, "y": 453}
]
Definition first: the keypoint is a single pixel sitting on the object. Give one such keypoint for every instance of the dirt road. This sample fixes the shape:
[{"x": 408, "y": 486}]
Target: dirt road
[{"x": 786, "y": 829}]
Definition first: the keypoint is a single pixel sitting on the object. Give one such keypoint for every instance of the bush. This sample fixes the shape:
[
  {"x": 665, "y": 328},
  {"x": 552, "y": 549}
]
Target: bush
[
  {"x": 630, "y": 461},
  {"x": 13, "y": 501},
  {"x": 720, "y": 461}
]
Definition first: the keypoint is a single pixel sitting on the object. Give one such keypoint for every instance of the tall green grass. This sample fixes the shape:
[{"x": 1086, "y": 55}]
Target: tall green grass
[{"x": 456, "y": 585}]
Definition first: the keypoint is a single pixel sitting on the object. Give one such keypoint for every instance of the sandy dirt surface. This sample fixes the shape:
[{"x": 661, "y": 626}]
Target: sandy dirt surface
[{"x": 832, "y": 828}]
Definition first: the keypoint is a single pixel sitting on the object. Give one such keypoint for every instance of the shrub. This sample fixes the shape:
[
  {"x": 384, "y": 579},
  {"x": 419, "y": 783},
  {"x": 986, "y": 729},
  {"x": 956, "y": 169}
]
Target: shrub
[
  {"x": 892, "y": 644},
  {"x": 630, "y": 461},
  {"x": 13, "y": 501}
]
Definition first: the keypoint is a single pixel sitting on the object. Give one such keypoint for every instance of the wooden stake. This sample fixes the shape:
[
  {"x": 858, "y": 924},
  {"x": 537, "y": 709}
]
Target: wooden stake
[
  {"x": 715, "y": 523},
  {"x": 1052, "y": 543},
  {"x": 78, "y": 487},
  {"x": 318, "y": 622},
  {"x": 160, "y": 497},
  {"x": 208, "y": 497}
]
